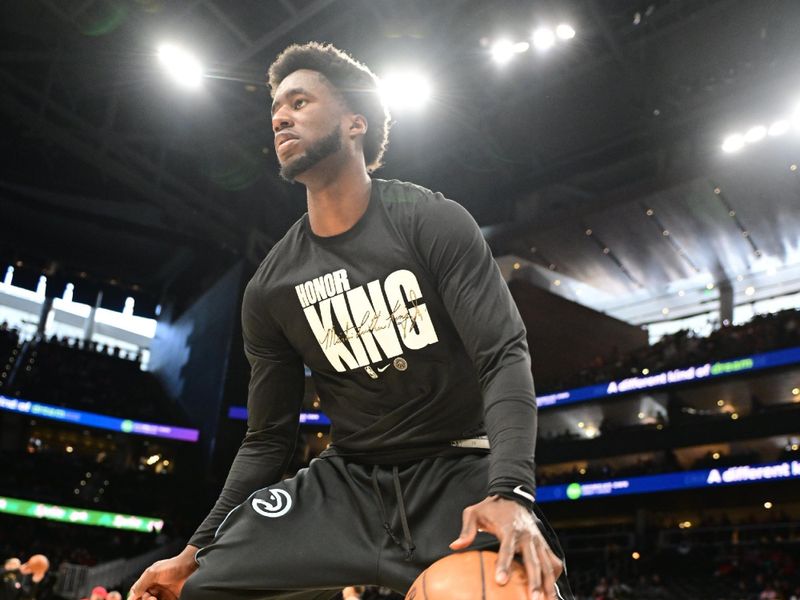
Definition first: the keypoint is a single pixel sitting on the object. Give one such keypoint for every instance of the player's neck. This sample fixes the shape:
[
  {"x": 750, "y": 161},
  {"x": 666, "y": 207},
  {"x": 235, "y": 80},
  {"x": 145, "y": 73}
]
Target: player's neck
[{"x": 337, "y": 202}]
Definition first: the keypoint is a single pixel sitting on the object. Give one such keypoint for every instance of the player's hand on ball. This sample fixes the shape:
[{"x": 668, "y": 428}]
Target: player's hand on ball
[
  {"x": 164, "y": 579},
  {"x": 518, "y": 533}
]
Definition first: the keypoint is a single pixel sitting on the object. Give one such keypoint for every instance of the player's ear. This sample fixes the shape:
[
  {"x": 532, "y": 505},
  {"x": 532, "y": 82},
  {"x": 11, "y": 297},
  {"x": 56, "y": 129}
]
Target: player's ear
[{"x": 358, "y": 125}]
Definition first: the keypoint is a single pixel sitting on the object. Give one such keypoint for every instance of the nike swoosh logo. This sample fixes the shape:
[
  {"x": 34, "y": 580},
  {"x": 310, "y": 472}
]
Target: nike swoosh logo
[
  {"x": 383, "y": 369},
  {"x": 520, "y": 492}
]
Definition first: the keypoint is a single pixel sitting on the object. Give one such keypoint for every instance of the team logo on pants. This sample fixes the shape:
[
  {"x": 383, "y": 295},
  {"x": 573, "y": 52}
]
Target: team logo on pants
[{"x": 279, "y": 504}]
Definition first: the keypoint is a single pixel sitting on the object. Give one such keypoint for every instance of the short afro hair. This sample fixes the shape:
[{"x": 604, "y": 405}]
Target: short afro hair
[{"x": 354, "y": 81}]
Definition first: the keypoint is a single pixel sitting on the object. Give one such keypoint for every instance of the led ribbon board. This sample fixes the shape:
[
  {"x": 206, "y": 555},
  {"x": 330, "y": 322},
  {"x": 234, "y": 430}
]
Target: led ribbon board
[
  {"x": 306, "y": 418},
  {"x": 81, "y": 516},
  {"x": 88, "y": 419},
  {"x": 706, "y": 478},
  {"x": 757, "y": 362}
]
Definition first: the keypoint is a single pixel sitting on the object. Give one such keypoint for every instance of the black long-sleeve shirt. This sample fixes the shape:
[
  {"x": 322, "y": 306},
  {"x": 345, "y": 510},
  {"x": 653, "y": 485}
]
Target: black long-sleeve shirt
[{"x": 412, "y": 338}]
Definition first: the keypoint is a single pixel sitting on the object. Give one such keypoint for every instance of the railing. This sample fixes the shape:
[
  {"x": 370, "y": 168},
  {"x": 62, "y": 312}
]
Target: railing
[
  {"x": 77, "y": 581},
  {"x": 594, "y": 542},
  {"x": 726, "y": 535}
]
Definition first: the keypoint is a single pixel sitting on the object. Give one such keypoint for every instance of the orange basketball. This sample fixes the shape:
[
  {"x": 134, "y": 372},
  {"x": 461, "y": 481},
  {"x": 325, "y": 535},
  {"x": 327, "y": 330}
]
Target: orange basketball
[{"x": 468, "y": 576}]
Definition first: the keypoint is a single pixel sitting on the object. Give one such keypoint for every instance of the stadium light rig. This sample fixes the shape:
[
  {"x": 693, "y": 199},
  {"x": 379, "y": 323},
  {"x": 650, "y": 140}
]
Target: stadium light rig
[
  {"x": 405, "y": 90},
  {"x": 755, "y": 134},
  {"x": 504, "y": 50},
  {"x": 181, "y": 65},
  {"x": 543, "y": 39}
]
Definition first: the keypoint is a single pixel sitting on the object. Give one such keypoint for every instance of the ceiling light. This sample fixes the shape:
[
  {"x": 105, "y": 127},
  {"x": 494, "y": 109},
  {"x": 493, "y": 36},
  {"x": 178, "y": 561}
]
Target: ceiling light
[
  {"x": 565, "y": 32},
  {"x": 749, "y": 290},
  {"x": 181, "y": 65},
  {"x": 405, "y": 90},
  {"x": 755, "y": 134},
  {"x": 779, "y": 128},
  {"x": 733, "y": 143},
  {"x": 543, "y": 38},
  {"x": 502, "y": 51}
]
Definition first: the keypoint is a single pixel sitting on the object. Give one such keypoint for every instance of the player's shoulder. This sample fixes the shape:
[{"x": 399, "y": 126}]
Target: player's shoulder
[
  {"x": 403, "y": 193},
  {"x": 276, "y": 257},
  {"x": 403, "y": 199}
]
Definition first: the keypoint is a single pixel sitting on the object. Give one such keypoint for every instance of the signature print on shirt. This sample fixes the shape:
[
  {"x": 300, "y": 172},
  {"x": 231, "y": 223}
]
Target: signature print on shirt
[{"x": 355, "y": 327}]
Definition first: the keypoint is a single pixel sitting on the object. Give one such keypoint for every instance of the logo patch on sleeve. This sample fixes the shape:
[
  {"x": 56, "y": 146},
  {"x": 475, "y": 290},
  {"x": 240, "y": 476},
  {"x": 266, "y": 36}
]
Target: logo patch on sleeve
[{"x": 279, "y": 504}]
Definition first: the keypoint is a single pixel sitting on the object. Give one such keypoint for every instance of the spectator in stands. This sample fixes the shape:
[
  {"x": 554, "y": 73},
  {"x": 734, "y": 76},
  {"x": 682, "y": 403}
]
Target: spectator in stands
[
  {"x": 11, "y": 579},
  {"x": 38, "y": 583},
  {"x": 600, "y": 591},
  {"x": 352, "y": 593},
  {"x": 12, "y": 564},
  {"x": 768, "y": 593},
  {"x": 98, "y": 593}
]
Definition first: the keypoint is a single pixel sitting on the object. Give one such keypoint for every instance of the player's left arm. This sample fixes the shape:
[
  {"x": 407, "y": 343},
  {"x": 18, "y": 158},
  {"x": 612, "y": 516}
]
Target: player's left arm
[{"x": 488, "y": 322}]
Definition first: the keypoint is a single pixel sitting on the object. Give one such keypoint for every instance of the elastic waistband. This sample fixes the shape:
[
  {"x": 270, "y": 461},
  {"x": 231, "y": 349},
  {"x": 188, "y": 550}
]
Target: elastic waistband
[{"x": 399, "y": 456}]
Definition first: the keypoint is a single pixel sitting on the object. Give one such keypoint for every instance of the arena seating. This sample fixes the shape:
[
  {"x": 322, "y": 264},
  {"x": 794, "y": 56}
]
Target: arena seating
[
  {"x": 89, "y": 378},
  {"x": 760, "y": 334},
  {"x": 9, "y": 348}
]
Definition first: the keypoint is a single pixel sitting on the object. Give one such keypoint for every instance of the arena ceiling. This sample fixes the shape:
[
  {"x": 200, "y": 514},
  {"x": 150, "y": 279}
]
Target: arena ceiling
[{"x": 111, "y": 172}]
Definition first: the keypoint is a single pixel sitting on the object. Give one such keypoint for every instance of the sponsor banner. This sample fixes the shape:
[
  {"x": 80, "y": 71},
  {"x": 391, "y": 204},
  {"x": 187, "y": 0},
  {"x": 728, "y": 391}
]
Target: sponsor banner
[
  {"x": 683, "y": 480},
  {"x": 97, "y": 421},
  {"x": 306, "y": 418},
  {"x": 766, "y": 360},
  {"x": 79, "y": 516}
]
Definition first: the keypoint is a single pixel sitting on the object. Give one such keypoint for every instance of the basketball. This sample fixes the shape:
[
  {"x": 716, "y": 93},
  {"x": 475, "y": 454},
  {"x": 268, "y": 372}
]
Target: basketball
[{"x": 468, "y": 576}]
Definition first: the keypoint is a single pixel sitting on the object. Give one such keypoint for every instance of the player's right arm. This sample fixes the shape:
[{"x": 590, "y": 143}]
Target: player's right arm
[{"x": 274, "y": 400}]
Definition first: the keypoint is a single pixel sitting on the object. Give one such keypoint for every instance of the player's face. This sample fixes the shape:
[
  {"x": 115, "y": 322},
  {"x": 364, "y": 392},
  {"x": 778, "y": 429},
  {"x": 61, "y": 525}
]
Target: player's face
[{"x": 307, "y": 117}]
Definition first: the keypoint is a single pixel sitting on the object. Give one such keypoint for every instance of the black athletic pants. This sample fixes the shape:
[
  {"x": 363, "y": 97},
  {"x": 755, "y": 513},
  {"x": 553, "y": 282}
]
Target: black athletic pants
[{"x": 338, "y": 523}]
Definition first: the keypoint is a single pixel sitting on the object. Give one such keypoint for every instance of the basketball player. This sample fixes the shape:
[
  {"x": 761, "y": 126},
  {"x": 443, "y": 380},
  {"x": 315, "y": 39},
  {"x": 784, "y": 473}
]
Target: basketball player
[{"x": 390, "y": 295}]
